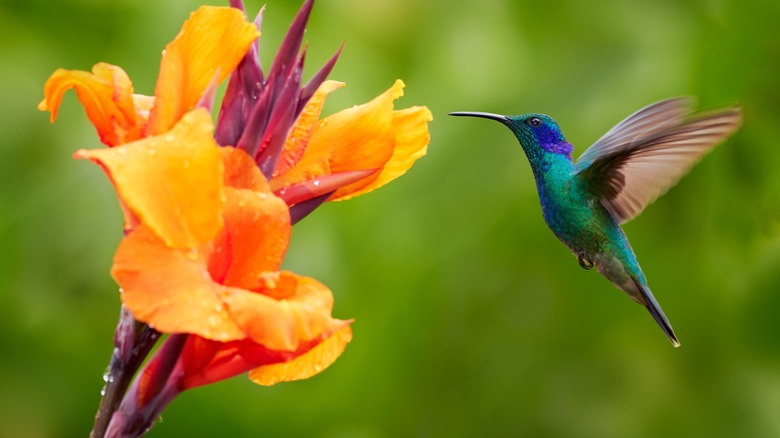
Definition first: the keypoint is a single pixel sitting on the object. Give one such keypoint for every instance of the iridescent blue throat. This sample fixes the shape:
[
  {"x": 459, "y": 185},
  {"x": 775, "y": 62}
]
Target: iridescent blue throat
[{"x": 552, "y": 140}]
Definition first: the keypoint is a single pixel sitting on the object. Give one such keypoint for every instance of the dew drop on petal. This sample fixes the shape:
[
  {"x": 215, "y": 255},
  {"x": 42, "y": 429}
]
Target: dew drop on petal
[{"x": 316, "y": 183}]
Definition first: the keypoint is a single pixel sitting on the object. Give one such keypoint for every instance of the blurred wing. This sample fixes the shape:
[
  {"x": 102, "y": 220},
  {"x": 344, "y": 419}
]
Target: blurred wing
[
  {"x": 629, "y": 176},
  {"x": 643, "y": 124}
]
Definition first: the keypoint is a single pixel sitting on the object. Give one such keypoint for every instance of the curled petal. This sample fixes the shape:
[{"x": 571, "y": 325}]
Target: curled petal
[
  {"x": 171, "y": 182},
  {"x": 288, "y": 311},
  {"x": 411, "y": 143},
  {"x": 211, "y": 42},
  {"x": 207, "y": 361},
  {"x": 304, "y": 127},
  {"x": 107, "y": 96},
  {"x": 306, "y": 365}
]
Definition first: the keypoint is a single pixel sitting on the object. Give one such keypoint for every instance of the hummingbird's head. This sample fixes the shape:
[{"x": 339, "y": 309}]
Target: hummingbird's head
[{"x": 537, "y": 133}]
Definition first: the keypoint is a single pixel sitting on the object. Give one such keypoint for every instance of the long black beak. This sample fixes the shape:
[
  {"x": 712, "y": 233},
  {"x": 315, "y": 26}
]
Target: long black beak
[{"x": 492, "y": 116}]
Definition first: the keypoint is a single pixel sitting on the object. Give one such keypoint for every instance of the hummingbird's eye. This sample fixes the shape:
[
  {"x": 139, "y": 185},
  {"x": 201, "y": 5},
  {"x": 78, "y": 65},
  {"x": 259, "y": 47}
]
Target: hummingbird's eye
[{"x": 534, "y": 121}]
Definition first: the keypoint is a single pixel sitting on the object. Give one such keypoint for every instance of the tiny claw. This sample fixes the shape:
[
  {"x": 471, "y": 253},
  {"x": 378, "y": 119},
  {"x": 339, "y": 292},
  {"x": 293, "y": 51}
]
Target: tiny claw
[{"x": 585, "y": 263}]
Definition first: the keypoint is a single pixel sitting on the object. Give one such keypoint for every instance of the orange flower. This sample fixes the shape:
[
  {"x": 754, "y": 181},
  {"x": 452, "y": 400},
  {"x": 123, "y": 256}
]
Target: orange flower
[
  {"x": 223, "y": 286},
  {"x": 207, "y": 236},
  {"x": 207, "y": 227},
  {"x": 210, "y": 45}
]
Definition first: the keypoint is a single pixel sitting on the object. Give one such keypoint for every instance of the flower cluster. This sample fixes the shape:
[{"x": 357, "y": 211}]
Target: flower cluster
[{"x": 209, "y": 208}]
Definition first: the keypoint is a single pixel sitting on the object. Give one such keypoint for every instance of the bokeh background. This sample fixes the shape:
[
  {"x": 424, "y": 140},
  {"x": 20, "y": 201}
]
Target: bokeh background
[{"x": 471, "y": 318}]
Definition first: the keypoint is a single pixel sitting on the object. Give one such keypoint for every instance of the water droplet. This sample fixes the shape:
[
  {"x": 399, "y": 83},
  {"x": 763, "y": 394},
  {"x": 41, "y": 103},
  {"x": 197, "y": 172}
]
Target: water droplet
[
  {"x": 103, "y": 392},
  {"x": 219, "y": 308},
  {"x": 316, "y": 183}
]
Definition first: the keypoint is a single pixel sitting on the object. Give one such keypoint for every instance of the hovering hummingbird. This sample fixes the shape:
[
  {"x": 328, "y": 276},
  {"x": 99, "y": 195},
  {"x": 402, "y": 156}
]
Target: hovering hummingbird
[{"x": 584, "y": 203}]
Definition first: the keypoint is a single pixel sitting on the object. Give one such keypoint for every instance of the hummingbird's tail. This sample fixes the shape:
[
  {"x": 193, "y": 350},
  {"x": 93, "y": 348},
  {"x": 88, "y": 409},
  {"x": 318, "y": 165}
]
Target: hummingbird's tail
[{"x": 652, "y": 306}]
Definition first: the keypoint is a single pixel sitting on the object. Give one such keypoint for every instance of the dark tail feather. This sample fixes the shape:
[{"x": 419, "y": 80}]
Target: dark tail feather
[{"x": 652, "y": 306}]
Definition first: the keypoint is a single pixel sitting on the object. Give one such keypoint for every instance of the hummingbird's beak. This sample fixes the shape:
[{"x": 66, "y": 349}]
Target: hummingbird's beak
[{"x": 492, "y": 116}]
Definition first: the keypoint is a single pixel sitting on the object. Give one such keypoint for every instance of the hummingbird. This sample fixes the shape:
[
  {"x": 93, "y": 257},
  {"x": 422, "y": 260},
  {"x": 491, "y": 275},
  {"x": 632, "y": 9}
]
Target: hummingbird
[{"x": 585, "y": 202}]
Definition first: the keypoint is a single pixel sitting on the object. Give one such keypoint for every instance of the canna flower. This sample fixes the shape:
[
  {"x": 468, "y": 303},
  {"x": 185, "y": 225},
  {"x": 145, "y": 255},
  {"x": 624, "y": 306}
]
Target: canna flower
[
  {"x": 209, "y": 208},
  {"x": 182, "y": 266}
]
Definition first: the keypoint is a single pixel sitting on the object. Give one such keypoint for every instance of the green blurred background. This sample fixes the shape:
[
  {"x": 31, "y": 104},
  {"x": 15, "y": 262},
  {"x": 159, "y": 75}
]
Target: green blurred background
[{"x": 471, "y": 318}]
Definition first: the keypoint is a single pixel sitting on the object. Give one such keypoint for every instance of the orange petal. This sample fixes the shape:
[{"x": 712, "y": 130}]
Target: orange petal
[
  {"x": 107, "y": 96},
  {"x": 288, "y": 311},
  {"x": 358, "y": 138},
  {"x": 306, "y": 365},
  {"x": 241, "y": 171},
  {"x": 304, "y": 127},
  {"x": 171, "y": 182},
  {"x": 253, "y": 240},
  {"x": 211, "y": 42},
  {"x": 411, "y": 143},
  {"x": 170, "y": 289}
]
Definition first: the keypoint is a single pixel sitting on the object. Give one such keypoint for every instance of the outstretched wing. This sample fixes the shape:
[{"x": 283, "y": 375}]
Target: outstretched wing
[{"x": 647, "y": 153}]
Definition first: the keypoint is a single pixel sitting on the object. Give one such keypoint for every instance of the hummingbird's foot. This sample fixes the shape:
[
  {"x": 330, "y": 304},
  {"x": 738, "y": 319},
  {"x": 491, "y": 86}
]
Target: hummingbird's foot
[{"x": 585, "y": 263}]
